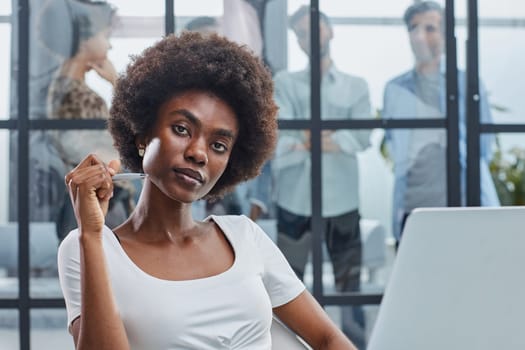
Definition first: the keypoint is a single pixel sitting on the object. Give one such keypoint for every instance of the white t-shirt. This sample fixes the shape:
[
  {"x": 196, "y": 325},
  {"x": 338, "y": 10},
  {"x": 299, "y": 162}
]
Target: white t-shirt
[{"x": 231, "y": 310}]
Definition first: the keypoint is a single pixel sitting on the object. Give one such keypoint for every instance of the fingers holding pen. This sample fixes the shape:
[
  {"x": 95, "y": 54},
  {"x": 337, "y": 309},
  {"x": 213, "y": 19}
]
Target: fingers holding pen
[
  {"x": 91, "y": 175},
  {"x": 90, "y": 188}
]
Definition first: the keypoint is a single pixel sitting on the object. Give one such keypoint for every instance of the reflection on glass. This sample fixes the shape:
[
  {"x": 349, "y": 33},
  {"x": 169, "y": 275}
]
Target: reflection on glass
[
  {"x": 49, "y": 330},
  {"x": 507, "y": 168},
  {"x": 9, "y": 337},
  {"x": 5, "y": 68},
  {"x": 419, "y": 156}
]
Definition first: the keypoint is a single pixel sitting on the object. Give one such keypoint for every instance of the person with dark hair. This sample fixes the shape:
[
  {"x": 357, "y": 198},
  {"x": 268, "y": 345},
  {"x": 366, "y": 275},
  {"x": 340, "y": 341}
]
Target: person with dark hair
[
  {"x": 69, "y": 97},
  {"x": 343, "y": 96},
  {"x": 419, "y": 155},
  {"x": 196, "y": 115}
]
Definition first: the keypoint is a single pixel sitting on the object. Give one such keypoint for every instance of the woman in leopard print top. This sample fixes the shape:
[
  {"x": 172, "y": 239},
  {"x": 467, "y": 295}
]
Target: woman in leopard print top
[{"x": 69, "y": 97}]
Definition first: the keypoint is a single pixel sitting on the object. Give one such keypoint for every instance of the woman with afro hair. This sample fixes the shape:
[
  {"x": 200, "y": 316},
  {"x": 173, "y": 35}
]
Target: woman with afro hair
[{"x": 196, "y": 115}]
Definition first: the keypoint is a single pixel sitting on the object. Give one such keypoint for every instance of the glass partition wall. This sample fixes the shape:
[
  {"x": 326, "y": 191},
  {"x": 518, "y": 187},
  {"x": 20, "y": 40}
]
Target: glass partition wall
[{"x": 382, "y": 110}]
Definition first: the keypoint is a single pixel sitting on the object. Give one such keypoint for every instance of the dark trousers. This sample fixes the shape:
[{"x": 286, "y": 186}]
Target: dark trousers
[{"x": 343, "y": 241}]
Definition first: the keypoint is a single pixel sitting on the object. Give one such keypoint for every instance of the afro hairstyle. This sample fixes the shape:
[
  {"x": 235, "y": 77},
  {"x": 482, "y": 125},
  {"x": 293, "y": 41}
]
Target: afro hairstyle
[{"x": 177, "y": 64}]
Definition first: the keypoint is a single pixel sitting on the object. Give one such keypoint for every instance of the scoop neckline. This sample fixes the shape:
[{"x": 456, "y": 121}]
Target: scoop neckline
[{"x": 220, "y": 276}]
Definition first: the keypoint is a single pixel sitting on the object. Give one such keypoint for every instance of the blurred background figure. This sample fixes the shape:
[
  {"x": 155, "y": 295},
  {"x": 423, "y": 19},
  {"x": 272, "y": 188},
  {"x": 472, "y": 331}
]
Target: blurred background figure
[
  {"x": 343, "y": 96},
  {"x": 419, "y": 155},
  {"x": 69, "y": 97}
]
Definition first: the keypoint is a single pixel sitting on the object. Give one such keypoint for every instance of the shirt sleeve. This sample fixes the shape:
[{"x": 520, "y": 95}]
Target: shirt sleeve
[
  {"x": 280, "y": 281},
  {"x": 289, "y": 151},
  {"x": 69, "y": 274}
]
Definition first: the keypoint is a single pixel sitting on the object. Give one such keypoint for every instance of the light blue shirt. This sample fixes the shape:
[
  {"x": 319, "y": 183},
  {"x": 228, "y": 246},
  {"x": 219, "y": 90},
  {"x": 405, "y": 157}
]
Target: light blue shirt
[
  {"x": 401, "y": 100},
  {"x": 259, "y": 190},
  {"x": 342, "y": 97}
]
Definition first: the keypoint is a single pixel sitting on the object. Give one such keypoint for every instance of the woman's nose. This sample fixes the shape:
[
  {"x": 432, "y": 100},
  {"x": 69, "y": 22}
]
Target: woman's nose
[{"x": 196, "y": 152}]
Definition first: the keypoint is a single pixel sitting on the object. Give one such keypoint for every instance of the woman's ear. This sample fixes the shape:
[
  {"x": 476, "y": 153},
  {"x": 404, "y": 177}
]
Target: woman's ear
[{"x": 140, "y": 143}]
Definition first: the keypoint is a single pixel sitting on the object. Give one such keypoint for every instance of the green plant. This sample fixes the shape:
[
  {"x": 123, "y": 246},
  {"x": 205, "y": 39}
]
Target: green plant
[{"x": 508, "y": 173}]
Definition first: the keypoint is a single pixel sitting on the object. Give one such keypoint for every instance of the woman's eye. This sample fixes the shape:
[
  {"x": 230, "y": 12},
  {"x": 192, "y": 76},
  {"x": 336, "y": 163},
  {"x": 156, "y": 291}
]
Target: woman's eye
[
  {"x": 179, "y": 129},
  {"x": 219, "y": 147}
]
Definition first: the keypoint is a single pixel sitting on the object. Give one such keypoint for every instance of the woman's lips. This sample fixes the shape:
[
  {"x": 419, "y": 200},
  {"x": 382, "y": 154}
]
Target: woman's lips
[{"x": 189, "y": 174}]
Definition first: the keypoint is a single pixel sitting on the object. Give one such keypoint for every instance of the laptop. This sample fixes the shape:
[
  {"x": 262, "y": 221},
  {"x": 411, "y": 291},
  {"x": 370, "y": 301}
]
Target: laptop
[{"x": 458, "y": 282}]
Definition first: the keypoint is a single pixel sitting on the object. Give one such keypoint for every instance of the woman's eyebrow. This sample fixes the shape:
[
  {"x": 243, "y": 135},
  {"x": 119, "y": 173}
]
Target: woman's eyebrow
[
  {"x": 226, "y": 133},
  {"x": 196, "y": 121},
  {"x": 188, "y": 115}
]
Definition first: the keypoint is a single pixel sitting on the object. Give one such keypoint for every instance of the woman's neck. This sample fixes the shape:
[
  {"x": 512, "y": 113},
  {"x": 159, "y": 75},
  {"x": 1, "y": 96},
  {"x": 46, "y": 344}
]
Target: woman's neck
[
  {"x": 158, "y": 218},
  {"x": 74, "y": 68}
]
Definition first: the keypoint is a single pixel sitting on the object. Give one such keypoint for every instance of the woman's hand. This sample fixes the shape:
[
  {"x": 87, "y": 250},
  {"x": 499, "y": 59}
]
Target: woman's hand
[
  {"x": 90, "y": 189},
  {"x": 106, "y": 70}
]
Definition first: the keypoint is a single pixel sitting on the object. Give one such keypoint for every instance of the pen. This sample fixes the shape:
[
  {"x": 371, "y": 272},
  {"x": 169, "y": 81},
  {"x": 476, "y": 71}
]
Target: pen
[{"x": 128, "y": 176}]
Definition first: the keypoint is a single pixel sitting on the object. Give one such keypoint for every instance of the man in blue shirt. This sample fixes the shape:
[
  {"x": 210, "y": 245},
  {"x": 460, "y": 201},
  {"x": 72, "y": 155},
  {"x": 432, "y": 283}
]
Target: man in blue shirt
[
  {"x": 344, "y": 97},
  {"x": 419, "y": 155}
]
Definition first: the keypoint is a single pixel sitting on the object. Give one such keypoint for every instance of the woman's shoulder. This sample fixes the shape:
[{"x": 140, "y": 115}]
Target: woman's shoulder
[
  {"x": 234, "y": 226},
  {"x": 231, "y": 219},
  {"x": 70, "y": 245},
  {"x": 232, "y": 223},
  {"x": 240, "y": 228}
]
